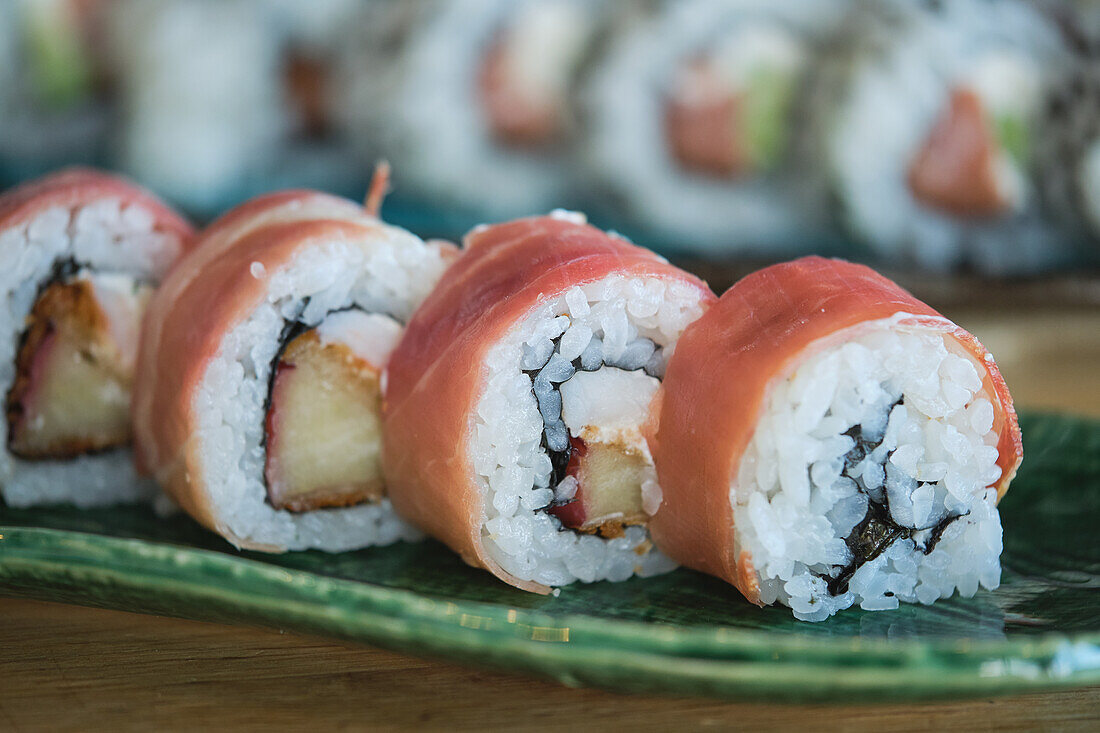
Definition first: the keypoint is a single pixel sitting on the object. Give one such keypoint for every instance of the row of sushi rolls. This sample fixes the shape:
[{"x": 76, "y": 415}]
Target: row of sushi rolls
[
  {"x": 957, "y": 133},
  {"x": 551, "y": 401}
]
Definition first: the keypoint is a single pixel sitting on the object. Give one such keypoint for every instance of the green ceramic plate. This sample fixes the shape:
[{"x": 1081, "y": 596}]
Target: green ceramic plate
[{"x": 679, "y": 633}]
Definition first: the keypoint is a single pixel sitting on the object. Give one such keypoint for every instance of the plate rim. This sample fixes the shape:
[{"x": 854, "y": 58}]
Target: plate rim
[{"x": 720, "y": 661}]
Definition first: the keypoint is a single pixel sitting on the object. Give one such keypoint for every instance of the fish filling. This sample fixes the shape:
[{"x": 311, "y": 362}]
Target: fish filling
[
  {"x": 322, "y": 430},
  {"x": 75, "y": 365},
  {"x": 727, "y": 111},
  {"x": 593, "y": 411},
  {"x": 559, "y": 424},
  {"x": 527, "y": 72},
  {"x": 972, "y": 163}
]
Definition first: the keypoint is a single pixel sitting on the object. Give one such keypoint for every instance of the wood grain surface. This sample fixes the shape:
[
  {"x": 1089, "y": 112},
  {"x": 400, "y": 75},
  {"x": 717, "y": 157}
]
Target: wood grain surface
[
  {"x": 87, "y": 669},
  {"x": 69, "y": 668}
]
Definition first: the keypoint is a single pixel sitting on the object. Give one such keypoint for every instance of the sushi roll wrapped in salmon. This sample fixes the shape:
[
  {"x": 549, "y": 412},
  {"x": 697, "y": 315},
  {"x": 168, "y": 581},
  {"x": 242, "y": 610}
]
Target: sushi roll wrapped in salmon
[
  {"x": 260, "y": 374},
  {"x": 517, "y": 400},
  {"x": 80, "y": 254},
  {"x": 827, "y": 440},
  {"x": 693, "y": 113},
  {"x": 924, "y": 125}
]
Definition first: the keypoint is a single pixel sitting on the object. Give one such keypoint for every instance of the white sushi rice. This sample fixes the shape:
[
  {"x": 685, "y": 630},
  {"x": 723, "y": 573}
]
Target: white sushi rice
[
  {"x": 106, "y": 237},
  {"x": 390, "y": 274},
  {"x": 603, "y": 317},
  {"x": 795, "y": 501}
]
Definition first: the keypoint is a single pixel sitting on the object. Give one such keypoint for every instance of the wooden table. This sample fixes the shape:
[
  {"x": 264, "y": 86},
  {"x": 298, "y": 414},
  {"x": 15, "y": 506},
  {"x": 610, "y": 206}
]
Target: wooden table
[
  {"x": 68, "y": 668},
  {"x": 64, "y": 668}
]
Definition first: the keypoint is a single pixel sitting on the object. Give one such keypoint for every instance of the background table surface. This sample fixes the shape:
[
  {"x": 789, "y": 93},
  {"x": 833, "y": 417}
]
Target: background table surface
[{"x": 70, "y": 668}]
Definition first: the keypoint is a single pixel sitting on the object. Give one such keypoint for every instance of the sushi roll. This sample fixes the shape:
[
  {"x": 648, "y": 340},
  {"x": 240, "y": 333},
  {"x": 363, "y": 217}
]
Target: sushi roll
[
  {"x": 827, "y": 440},
  {"x": 516, "y": 402},
  {"x": 310, "y": 35},
  {"x": 472, "y": 90},
  {"x": 259, "y": 377},
  {"x": 924, "y": 122},
  {"x": 692, "y": 114},
  {"x": 1069, "y": 151},
  {"x": 200, "y": 98},
  {"x": 80, "y": 254}
]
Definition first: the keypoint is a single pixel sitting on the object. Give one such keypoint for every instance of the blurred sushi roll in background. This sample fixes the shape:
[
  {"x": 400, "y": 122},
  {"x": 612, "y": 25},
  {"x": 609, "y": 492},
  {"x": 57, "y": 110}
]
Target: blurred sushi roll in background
[
  {"x": 924, "y": 122},
  {"x": 310, "y": 34},
  {"x": 52, "y": 110},
  {"x": 200, "y": 102},
  {"x": 1069, "y": 150},
  {"x": 692, "y": 112},
  {"x": 938, "y": 134},
  {"x": 476, "y": 106},
  {"x": 259, "y": 380},
  {"x": 80, "y": 254}
]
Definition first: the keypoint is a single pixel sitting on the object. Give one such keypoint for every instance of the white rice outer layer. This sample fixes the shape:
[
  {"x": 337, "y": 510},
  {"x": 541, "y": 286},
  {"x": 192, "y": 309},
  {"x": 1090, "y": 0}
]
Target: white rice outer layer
[
  {"x": 794, "y": 502},
  {"x": 106, "y": 237},
  {"x": 388, "y": 274},
  {"x": 513, "y": 468}
]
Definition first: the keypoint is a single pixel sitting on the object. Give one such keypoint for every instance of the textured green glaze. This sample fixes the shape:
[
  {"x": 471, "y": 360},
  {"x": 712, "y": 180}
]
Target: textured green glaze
[{"x": 679, "y": 633}]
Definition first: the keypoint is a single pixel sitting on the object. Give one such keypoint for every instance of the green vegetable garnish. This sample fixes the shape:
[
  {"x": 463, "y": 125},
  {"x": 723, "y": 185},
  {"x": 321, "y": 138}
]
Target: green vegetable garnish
[
  {"x": 58, "y": 67},
  {"x": 764, "y": 115},
  {"x": 1011, "y": 132}
]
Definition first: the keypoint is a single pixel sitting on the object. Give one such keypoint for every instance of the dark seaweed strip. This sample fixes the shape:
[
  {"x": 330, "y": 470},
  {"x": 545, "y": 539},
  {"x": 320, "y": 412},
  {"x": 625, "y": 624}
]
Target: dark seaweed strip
[
  {"x": 292, "y": 329},
  {"x": 863, "y": 448},
  {"x": 877, "y": 530},
  {"x": 361, "y": 309},
  {"x": 66, "y": 268},
  {"x": 938, "y": 530},
  {"x": 859, "y": 451},
  {"x": 578, "y": 367},
  {"x": 869, "y": 539},
  {"x": 63, "y": 269},
  {"x": 559, "y": 460},
  {"x": 874, "y": 535}
]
